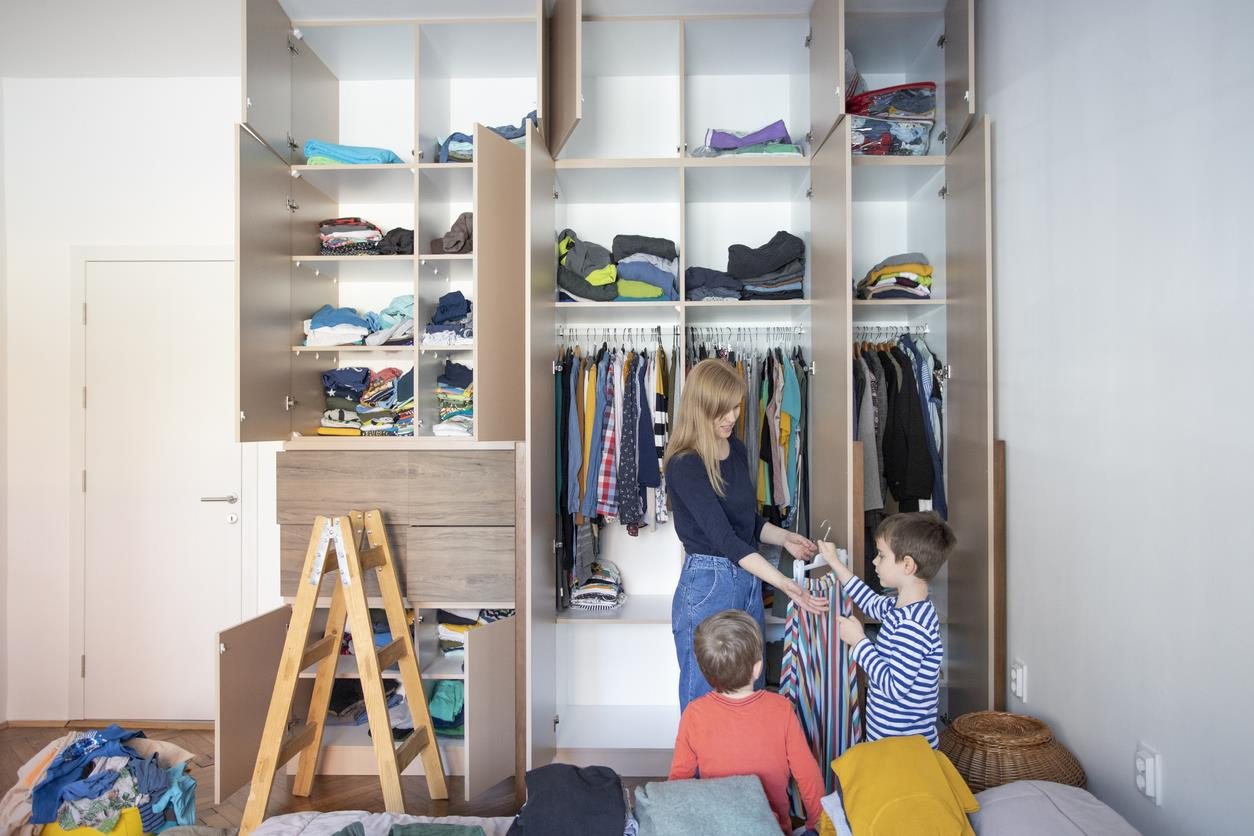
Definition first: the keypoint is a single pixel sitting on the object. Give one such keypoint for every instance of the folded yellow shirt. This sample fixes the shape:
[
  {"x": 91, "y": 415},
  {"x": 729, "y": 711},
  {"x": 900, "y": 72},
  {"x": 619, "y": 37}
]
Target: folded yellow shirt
[
  {"x": 901, "y": 786},
  {"x": 338, "y": 431},
  {"x": 605, "y": 275},
  {"x": 921, "y": 269},
  {"x": 633, "y": 289}
]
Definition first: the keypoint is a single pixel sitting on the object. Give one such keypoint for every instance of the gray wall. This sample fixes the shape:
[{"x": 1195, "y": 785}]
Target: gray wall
[{"x": 1122, "y": 193}]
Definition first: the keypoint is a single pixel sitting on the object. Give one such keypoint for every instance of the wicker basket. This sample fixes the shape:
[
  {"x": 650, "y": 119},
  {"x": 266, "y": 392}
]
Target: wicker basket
[{"x": 991, "y": 748}]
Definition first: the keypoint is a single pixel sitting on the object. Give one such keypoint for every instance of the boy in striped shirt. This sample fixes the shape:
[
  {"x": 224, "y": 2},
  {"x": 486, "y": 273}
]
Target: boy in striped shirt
[{"x": 903, "y": 666}]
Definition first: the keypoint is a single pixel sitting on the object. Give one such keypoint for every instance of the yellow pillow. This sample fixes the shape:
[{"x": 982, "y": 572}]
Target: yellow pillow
[
  {"x": 129, "y": 824},
  {"x": 901, "y": 786}
]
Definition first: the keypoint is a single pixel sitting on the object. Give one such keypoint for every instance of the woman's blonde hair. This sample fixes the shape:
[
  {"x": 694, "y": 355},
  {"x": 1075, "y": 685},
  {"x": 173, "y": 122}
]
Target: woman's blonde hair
[{"x": 713, "y": 388}]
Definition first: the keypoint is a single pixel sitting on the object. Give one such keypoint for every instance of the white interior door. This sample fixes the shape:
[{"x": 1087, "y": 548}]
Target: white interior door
[{"x": 162, "y": 559}]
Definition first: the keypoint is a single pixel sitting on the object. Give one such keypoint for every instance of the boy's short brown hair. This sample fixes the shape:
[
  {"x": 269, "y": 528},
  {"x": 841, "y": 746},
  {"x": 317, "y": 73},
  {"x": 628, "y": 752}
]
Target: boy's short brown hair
[
  {"x": 922, "y": 535},
  {"x": 727, "y": 645}
]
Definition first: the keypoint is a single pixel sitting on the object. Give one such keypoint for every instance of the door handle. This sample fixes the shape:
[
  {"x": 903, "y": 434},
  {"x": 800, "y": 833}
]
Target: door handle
[{"x": 231, "y": 499}]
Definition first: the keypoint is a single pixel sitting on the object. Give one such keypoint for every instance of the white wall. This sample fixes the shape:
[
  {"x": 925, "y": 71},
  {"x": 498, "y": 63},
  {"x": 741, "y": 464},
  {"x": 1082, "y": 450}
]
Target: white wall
[
  {"x": 1122, "y": 188},
  {"x": 87, "y": 162},
  {"x": 4, "y": 443}
]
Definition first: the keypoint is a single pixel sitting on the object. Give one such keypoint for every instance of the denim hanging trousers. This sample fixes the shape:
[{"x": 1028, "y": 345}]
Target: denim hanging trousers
[{"x": 708, "y": 584}]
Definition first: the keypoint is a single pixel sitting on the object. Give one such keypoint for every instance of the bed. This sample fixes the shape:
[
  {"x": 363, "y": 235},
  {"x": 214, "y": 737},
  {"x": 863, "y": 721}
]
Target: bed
[{"x": 375, "y": 824}]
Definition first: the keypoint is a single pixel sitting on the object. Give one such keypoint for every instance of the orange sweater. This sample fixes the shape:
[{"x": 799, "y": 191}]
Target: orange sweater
[{"x": 758, "y": 735}]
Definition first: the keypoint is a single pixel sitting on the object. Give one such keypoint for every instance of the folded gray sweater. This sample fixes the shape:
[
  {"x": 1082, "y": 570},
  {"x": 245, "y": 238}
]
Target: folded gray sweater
[{"x": 705, "y": 807}]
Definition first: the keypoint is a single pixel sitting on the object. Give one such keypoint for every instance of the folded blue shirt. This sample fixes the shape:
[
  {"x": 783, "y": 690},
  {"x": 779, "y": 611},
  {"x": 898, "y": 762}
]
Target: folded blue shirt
[
  {"x": 329, "y": 317},
  {"x": 350, "y": 154}
]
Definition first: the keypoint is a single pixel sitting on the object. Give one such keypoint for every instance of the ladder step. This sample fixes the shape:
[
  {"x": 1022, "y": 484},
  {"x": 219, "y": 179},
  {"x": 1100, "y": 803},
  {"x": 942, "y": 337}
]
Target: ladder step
[
  {"x": 296, "y": 741},
  {"x": 321, "y": 649},
  {"x": 391, "y": 653},
  {"x": 411, "y": 748},
  {"x": 371, "y": 558}
]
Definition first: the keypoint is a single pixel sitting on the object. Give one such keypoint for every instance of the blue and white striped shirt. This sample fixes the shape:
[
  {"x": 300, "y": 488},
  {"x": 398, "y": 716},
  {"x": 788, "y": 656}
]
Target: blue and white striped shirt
[{"x": 902, "y": 667}]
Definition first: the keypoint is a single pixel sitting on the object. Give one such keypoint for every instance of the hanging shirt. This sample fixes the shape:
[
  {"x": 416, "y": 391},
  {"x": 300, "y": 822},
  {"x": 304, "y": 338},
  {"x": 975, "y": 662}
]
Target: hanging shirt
[
  {"x": 791, "y": 407},
  {"x": 607, "y": 474}
]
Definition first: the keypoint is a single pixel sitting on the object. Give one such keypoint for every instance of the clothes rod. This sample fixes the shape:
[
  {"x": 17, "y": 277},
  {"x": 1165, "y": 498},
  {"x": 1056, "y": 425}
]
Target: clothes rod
[
  {"x": 733, "y": 330},
  {"x": 889, "y": 329}
]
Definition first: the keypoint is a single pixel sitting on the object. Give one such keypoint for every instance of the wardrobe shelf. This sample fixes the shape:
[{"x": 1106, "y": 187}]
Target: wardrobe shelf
[
  {"x": 735, "y": 161},
  {"x": 624, "y": 314},
  {"x": 637, "y": 609},
  {"x": 355, "y": 259},
  {"x": 887, "y": 161},
  {"x": 331, "y": 442},
  {"x": 895, "y": 311},
  {"x": 756, "y": 312},
  {"x": 447, "y": 166},
  {"x": 445, "y": 256},
  {"x": 391, "y": 183},
  {"x": 358, "y": 349},
  {"x": 425, "y": 349},
  {"x": 883, "y": 179},
  {"x": 346, "y": 668}
]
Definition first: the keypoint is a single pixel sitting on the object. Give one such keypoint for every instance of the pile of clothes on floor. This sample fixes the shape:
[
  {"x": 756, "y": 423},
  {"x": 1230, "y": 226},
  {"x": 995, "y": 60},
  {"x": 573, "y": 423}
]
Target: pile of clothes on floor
[
  {"x": 394, "y": 325},
  {"x": 460, "y": 148},
  {"x": 771, "y": 141},
  {"x": 318, "y": 152},
  {"x": 453, "y": 625},
  {"x": 639, "y": 268},
  {"x": 460, "y": 238},
  {"x": 451, "y": 324},
  {"x": 364, "y": 402},
  {"x": 104, "y": 779},
  {"x": 901, "y": 276},
  {"x": 357, "y": 236},
  {"x": 775, "y": 270},
  {"x": 890, "y": 121},
  {"x": 454, "y": 391}
]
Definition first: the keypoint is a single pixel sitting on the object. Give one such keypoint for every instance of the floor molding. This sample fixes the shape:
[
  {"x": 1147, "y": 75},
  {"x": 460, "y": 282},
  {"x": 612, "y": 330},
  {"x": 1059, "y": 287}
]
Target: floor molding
[{"x": 82, "y": 725}]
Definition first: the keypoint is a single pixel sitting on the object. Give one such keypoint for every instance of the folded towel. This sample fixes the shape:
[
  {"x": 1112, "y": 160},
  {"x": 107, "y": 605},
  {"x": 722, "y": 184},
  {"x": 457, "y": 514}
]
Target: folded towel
[{"x": 350, "y": 154}]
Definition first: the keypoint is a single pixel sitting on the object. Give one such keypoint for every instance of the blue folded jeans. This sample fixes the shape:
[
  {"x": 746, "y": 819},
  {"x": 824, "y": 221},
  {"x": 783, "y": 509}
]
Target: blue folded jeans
[{"x": 708, "y": 584}]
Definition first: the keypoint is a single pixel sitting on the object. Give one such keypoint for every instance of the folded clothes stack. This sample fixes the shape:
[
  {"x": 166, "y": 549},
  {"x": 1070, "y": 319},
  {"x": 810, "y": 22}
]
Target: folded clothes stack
[
  {"x": 460, "y": 148},
  {"x": 893, "y": 121},
  {"x": 452, "y": 322},
  {"x": 773, "y": 140},
  {"x": 775, "y": 270},
  {"x": 402, "y": 403},
  {"x": 647, "y": 267},
  {"x": 375, "y": 412},
  {"x": 344, "y": 389},
  {"x": 335, "y": 326},
  {"x": 394, "y": 325},
  {"x": 902, "y": 276},
  {"x": 585, "y": 271},
  {"x": 452, "y": 626},
  {"x": 318, "y": 152},
  {"x": 447, "y": 705},
  {"x": 455, "y": 393},
  {"x": 460, "y": 237},
  {"x": 349, "y": 236},
  {"x": 602, "y": 590}
]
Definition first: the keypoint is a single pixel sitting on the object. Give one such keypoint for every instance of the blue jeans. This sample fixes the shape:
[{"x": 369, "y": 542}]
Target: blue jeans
[{"x": 707, "y": 585}]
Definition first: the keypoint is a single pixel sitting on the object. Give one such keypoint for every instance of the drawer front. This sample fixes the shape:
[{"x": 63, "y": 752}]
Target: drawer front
[
  {"x": 460, "y": 564},
  {"x": 336, "y": 482},
  {"x": 294, "y": 543},
  {"x": 462, "y": 488}
]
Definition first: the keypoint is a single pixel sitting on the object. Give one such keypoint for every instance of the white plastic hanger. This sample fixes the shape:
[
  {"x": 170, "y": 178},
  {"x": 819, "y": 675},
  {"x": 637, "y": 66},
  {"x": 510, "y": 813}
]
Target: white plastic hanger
[{"x": 799, "y": 569}]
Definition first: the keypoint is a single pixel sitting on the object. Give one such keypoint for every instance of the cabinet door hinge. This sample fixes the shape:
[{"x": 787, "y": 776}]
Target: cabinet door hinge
[
  {"x": 291, "y": 143},
  {"x": 809, "y": 35},
  {"x": 289, "y": 403},
  {"x": 557, "y": 367},
  {"x": 942, "y": 192},
  {"x": 292, "y": 47},
  {"x": 292, "y": 205},
  {"x": 556, "y": 719},
  {"x": 82, "y": 666},
  {"x": 940, "y": 42}
]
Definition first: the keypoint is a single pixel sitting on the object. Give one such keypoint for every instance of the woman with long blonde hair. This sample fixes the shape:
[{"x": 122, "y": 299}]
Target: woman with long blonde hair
[{"x": 716, "y": 518}]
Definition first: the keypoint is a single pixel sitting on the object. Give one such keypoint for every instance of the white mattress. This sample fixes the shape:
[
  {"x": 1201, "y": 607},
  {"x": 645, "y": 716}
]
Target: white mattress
[{"x": 375, "y": 824}]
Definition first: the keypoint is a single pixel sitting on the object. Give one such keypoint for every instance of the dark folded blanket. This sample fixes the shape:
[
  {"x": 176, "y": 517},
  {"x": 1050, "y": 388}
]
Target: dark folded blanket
[
  {"x": 747, "y": 263},
  {"x": 625, "y": 245},
  {"x": 695, "y": 277}
]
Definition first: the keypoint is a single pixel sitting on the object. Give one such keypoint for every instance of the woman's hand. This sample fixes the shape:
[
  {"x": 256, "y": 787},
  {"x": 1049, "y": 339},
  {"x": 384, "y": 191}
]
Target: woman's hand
[
  {"x": 810, "y": 603},
  {"x": 802, "y": 548}
]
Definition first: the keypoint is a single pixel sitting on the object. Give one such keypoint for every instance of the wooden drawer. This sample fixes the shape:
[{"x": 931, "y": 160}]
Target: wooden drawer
[
  {"x": 336, "y": 482},
  {"x": 459, "y": 564},
  {"x": 462, "y": 488},
  {"x": 294, "y": 543}
]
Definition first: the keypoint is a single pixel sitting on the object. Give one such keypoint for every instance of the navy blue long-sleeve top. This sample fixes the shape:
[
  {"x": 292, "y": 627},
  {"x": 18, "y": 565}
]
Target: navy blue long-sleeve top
[{"x": 707, "y": 523}]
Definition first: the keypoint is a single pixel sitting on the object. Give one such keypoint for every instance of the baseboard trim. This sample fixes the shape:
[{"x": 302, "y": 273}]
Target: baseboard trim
[{"x": 83, "y": 725}]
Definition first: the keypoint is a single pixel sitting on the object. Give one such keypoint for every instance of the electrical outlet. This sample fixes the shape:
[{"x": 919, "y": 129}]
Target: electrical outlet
[
  {"x": 1019, "y": 679},
  {"x": 1149, "y": 773}
]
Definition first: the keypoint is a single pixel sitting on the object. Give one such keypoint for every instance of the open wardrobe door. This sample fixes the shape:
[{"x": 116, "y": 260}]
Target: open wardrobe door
[
  {"x": 959, "y": 70},
  {"x": 831, "y": 390},
  {"x": 565, "y": 77},
  {"x": 268, "y": 46},
  {"x": 490, "y": 688},
  {"x": 536, "y": 599},
  {"x": 827, "y": 69},
  {"x": 248, "y": 663},
  {"x": 969, "y": 410}
]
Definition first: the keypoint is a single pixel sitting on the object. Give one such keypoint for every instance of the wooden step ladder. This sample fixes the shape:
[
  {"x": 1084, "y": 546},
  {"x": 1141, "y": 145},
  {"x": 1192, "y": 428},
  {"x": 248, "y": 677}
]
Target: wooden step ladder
[{"x": 334, "y": 551}]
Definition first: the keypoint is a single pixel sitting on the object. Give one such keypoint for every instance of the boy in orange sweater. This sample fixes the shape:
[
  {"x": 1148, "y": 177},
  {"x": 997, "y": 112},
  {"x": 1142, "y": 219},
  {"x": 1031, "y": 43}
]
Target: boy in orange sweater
[{"x": 735, "y": 730}]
